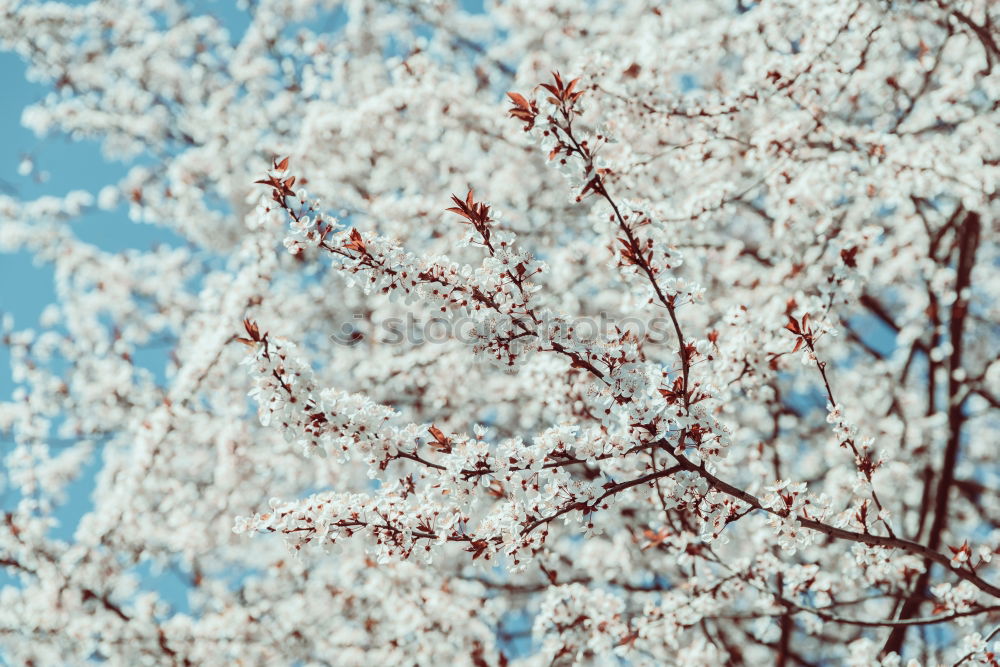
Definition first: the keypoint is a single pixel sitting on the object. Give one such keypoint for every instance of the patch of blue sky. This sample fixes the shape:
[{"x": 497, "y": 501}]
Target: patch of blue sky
[
  {"x": 33, "y": 167},
  {"x": 60, "y": 164}
]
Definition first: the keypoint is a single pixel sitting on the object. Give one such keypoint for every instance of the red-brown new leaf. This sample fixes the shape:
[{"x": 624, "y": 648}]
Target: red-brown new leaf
[
  {"x": 356, "y": 242},
  {"x": 441, "y": 441},
  {"x": 520, "y": 100}
]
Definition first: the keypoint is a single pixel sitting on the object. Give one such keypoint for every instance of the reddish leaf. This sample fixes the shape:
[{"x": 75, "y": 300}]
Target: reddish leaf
[
  {"x": 459, "y": 211},
  {"x": 252, "y": 329},
  {"x": 552, "y": 89},
  {"x": 441, "y": 441},
  {"x": 570, "y": 87},
  {"x": 849, "y": 256},
  {"x": 520, "y": 101},
  {"x": 357, "y": 242}
]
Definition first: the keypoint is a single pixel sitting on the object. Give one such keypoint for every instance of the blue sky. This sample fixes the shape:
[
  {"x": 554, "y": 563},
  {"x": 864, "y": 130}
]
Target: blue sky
[
  {"x": 27, "y": 287},
  {"x": 61, "y": 165}
]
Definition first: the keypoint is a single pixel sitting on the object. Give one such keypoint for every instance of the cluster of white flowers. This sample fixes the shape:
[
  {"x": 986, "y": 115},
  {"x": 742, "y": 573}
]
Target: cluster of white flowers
[
  {"x": 780, "y": 450},
  {"x": 577, "y": 622}
]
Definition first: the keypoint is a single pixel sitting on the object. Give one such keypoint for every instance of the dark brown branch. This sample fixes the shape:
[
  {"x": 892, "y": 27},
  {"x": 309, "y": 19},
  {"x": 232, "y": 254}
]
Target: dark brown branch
[
  {"x": 969, "y": 242},
  {"x": 840, "y": 533}
]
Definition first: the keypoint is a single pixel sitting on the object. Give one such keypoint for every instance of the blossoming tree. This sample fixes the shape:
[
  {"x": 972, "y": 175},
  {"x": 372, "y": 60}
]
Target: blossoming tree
[{"x": 779, "y": 447}]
